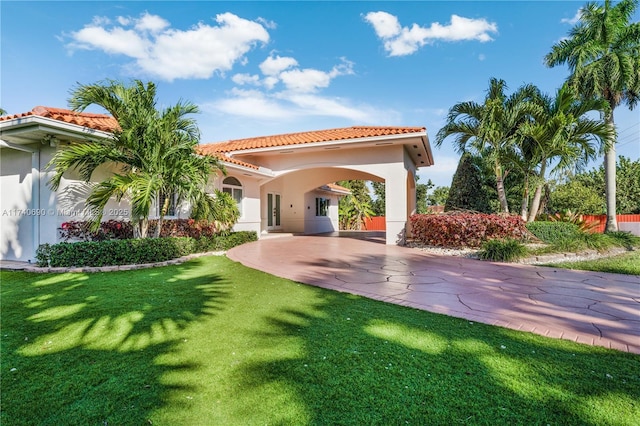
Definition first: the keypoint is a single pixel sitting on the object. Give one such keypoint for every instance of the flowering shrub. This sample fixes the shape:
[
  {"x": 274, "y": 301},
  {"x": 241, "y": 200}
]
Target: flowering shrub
[
  {"x": 122, "y": 230},
  {"x": 466, "y": 229}
]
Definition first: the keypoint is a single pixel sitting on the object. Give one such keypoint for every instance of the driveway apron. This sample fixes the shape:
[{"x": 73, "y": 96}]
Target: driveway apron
[{"x": 594, "y": 308}]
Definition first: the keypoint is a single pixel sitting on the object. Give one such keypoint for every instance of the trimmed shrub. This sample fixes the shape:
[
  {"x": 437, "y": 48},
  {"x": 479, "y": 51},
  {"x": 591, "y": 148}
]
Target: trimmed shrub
[
  {"x": 466, "y": 229},
  {"x": 134, "y": 251},
  {"x": 550, "y": 232},
  {"x": 122, "y": 229},
  {"x": 502, "y": 250}
]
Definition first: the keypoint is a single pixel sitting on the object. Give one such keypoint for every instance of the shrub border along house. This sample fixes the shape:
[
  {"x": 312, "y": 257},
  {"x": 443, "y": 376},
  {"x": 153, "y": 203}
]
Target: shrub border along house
[{"x": 135, "y": 251}]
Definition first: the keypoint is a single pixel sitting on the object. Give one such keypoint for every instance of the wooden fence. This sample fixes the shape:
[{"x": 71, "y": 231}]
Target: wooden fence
[
  {"x": 375, "y": 223},
  {"x": 629, "y": 219}
]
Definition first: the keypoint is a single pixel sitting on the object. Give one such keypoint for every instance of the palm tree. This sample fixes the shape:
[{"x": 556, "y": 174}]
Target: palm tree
[
  {"x": 3, "y": 112},
  {"x": 354, "y": 208},
  {"x": 152, "y": 151},
  {"x": 562, "y": 135},
  {"x": 489, "y": 129},
  {"x": 603, "y": 54}
]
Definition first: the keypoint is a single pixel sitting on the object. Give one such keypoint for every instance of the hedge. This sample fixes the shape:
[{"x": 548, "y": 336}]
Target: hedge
[
  {"x": 466, "y": 229},
  {"x": 134, "y": 251},
  {"x": 123, "y": 229},
  {"x": 550, "y": 232}
]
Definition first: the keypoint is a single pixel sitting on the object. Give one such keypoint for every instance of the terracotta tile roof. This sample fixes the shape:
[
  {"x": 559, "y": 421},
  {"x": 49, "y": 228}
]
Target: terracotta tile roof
[
  {"x": 334, "y": 187},
  {"x": 228, "y": 159},
  {"x": 101, "y": 122},
  {"x": 307, "y": 137}
]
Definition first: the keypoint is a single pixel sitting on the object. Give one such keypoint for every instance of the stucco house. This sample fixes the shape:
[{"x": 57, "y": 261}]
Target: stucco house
[{"x": 282, "y": 183}]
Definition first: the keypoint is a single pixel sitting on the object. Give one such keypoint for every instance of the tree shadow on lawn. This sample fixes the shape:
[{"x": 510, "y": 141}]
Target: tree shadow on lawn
[
  {"x": 93, "y": 348},
  {"x": 367, "y": 362}
]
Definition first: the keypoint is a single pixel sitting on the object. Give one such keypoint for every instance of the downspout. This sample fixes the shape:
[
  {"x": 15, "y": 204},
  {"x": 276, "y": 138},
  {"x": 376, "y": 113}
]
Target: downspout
[{"x": 35, "y": 189}]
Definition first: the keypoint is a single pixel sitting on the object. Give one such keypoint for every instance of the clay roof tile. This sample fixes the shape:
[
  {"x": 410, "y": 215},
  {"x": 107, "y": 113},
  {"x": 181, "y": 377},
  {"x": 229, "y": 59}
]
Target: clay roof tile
[
  {"x": 355, "y": 132},
  {"x": 101, "y": 122}
]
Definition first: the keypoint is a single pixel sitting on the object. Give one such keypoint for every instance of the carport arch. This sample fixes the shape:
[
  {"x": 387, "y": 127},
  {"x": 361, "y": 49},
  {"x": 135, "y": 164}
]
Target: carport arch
[{"x": 296, "y": 183}]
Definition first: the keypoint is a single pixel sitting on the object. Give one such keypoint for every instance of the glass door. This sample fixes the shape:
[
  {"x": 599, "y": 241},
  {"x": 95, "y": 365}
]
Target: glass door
[{"x": 273, "y": 211}]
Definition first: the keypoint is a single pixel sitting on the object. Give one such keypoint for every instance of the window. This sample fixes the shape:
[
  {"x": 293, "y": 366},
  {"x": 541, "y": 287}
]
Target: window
[
  {"x": 171, "y": 208},
  {"x": 233, "y": 187},
  {"x": 322, "y": 206}
]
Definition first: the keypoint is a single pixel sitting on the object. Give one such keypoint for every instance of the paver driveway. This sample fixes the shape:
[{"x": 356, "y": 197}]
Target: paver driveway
[{"x": 588, "y": 307}]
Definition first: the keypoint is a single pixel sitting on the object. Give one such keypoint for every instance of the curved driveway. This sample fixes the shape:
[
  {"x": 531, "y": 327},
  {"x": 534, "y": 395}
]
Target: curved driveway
[{"x": 588, "y": 307}]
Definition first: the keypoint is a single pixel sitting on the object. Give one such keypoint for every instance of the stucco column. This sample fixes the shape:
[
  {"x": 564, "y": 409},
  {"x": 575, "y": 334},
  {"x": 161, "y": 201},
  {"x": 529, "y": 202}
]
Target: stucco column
[{"x": 396, "y": 204}]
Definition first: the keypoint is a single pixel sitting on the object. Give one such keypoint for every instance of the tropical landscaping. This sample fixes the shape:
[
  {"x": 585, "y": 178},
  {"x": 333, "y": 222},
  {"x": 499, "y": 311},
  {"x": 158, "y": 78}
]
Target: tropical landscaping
[{"x": 211, "y": 341}]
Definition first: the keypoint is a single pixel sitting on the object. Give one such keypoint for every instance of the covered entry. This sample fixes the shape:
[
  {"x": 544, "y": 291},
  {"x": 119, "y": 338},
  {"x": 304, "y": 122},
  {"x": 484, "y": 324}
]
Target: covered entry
[{"x": 291, "y": 173}]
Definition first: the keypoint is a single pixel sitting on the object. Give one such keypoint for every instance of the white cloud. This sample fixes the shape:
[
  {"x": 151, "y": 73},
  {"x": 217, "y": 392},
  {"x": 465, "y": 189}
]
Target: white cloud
[
  {"x": 114, "y": 41},
  {"x": 321, "y": 106},
  {"x": 242, "y": 79},
  {"x": 152, "y": 23},
  {"x": 288, "y": 92},
  {"x": 310, "y": 80},
  {"x": 168, "y": 53},
  {"x": 400, "y": 41},
  {"x": 267, "y": 24},
  {"x": 286, "y": 106},
  {"x": 275, "y": 65},
  {"x": 482, "y": 57},
  {"x": 384, "y": 24},
  {"x": 574, "y": 20},
  {"x": 250, "y": 103}
]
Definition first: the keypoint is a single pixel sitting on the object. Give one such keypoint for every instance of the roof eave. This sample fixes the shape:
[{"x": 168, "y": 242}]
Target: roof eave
[
  {"x": 32, "y": 123},
  {"x": 396, "y": 139},
  {"x": 248, "y": 171}
]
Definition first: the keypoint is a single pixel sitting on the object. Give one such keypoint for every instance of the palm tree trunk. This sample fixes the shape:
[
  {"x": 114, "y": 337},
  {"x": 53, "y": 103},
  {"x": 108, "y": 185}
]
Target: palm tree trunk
[
  {"x": 525, "y": 198},
  {"x": 141, "y": 228},
  {"x": 537, "y": 196},
  {"x": 610, "y": 178},
  {"x": 502, "y": 195},
  {"x": 163, "y": 211}
]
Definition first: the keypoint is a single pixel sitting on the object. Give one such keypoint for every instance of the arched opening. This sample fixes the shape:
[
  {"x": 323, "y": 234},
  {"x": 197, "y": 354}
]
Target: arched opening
[{"x": 233, "y": 187}]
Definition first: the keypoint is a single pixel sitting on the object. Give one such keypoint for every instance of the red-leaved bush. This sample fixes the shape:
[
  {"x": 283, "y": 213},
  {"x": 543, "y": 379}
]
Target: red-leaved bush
[
  {"x": 465, "y": 229},
  {"x": 122, "y": 230}
]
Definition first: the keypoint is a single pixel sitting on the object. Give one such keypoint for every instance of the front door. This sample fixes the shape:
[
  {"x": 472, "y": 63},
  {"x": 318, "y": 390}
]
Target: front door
[{"x": 273, "y": 211}]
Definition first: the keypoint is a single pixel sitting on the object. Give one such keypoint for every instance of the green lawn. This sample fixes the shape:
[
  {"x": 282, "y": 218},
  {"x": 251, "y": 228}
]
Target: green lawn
[
  {"x": 626, "y": 263},
  {"x": 211, "y": 342}
]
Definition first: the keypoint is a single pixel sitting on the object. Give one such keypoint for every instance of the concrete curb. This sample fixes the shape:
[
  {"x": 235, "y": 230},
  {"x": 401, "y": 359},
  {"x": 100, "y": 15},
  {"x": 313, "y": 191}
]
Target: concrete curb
[{"x": 114, "y": 268}]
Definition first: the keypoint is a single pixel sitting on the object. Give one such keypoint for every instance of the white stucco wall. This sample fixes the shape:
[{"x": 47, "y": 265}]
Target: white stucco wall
[
  {"x": 16, "y": 215},
  {"x": 299, "y": 173},
  {"x": 250, "y": 219},
  {"x": 320, "y": 224}
]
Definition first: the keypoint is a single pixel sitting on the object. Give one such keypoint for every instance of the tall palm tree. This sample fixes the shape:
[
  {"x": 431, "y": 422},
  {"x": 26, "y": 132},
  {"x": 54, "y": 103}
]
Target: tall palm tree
[
  {"x": 489, "y": 129},
  {"x": 603, "y": 54},
  {"x": 563, "y": 136},
  {"x": 152, "y": 152},
  {"x": 3, "y": 112}
]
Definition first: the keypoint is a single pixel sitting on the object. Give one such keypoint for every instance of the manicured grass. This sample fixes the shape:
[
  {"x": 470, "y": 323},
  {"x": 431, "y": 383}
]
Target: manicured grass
[
  {"x": 626, "y": 263},
  {"x": 211, "y": 342}
]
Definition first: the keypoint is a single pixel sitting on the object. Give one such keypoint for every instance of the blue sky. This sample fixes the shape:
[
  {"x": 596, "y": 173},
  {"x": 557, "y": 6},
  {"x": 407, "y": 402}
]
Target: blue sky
[{"x": 261, "y": 68}]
